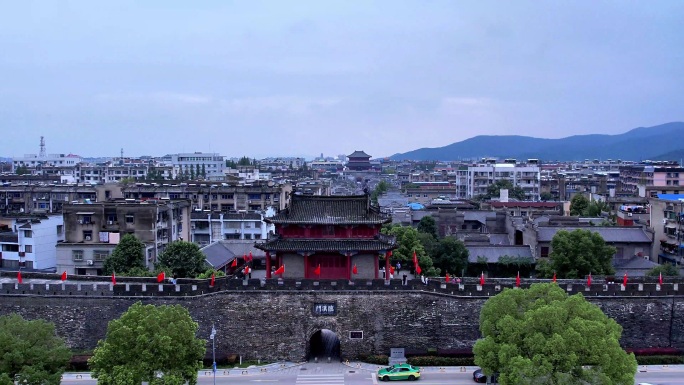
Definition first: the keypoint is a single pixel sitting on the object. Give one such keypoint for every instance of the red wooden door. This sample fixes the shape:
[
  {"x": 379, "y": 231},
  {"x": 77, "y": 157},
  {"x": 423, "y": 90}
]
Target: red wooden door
[{"x": 333, "y": 266}]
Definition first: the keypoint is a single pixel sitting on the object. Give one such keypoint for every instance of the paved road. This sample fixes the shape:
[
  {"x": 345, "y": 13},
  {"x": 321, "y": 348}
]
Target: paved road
[{"x": 364, "y": 374}]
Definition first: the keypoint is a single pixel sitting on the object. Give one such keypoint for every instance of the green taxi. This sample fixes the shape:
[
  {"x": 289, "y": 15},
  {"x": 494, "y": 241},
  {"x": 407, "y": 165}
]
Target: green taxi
[{"x": 399, "y": 372}]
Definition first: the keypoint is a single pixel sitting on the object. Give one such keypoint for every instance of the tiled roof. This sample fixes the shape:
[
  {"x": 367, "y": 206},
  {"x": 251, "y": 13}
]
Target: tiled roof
[
  {"x": 329, "y": 210},
  {"x": 609, "y": 234},
  {"x": 226, "y": 216},
  {"x": 222, "y": 252},
  {"x": 376, "y": 244},
  {"x": 358, "y": 154},
  {"x": 493, "y": 253},
  {"x": 549, "y": 205}
]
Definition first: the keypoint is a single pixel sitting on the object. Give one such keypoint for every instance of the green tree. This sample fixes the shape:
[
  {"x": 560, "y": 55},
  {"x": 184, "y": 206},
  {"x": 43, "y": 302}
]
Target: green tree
[
  {"x": 541, "y": 335},
  {"x": 21, "y": 170},
  {"x": 578, "y": 204},
  {"x": 30, "y": 352},
  {"x": 148, "y": 341},
  {"x": 595, "y": 209},
  {"x": 207, "y": 274},
  {"x": 667, "y": 269},
  {"x": 494, "y": 190},
  {"x": 198, "y": 171},
  {"x": 379, "y": 189},
  {"x": 408, "y": 241},
  {"x": 546, "y": 196},
  {"x": 428, "y": 225},
  {"x": 204, "y": 170},
  {"x": 192, "y": 173},
  {"x": 575, "y": 254},
  {"x": 128, "y": 254},
  {"x": 244, "y": 161},
  {"x": 182, "y": 259},
  {"x": 450, "y": 255}
]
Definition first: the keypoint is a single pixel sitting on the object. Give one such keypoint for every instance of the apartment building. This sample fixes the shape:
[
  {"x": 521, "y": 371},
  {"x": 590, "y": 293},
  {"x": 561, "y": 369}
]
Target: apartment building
[
  {"x": 214, "y": 196},
  {"x": 35, "y": 162},
  {"x": 667, "y": 221},
  {"x": 526, "y": 176},
  {"x": 636, "y": 176},
  {"x": 211, "y": 166},
  {"x": 92, "y": 231},
  {"x": 28, "y": 241},
  {"x": 209, "y": 227}
]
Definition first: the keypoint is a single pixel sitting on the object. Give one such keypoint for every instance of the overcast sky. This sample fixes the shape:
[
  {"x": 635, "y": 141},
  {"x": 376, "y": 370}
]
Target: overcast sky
[{"x": 301, "y": 78}]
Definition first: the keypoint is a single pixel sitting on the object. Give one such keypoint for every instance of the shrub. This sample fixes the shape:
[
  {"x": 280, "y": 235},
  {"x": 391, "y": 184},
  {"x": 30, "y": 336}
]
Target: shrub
[
  {"x": 378, "y": 359},
  {"x": 660, "y": 360},
  {"x": 441, "y": 361}
]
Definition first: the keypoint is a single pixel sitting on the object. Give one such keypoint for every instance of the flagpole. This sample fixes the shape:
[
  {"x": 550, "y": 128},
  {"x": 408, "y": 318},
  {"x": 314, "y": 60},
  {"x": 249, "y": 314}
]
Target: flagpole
[{"x": 213, "y": 350}]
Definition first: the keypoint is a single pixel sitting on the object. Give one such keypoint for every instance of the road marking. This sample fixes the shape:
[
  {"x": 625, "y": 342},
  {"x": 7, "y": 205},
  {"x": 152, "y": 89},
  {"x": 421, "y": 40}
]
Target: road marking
[
  {"x": 375, "y": 379},
  {"x": 322, "y": 379}
]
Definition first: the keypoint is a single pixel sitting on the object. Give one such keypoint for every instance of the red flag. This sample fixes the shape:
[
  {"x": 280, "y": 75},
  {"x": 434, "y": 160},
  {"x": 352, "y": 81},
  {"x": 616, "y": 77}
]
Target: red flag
[
  {"x": 213, "y": 279},
  {"x": 234, "y": 264},
  {"x": 624, "y": 280},
  {"x": 19, "y": 279},
  {"x": 317, "y": 271},
  {"x": 161, "y": 276},
  {"x": 64, "y": 276},
  {"x": 247, "y": 270},
  {"x": 447, "y": 278},
  {"x": 482, "y": 281},
  {"x": 391, "y": 269},
  {"x": 517, "y": 280},
  {"x": 660, "y": 279},
  {"x": 251, "y": 258},
  {"x": 418, "y": 269},
  {"x": 113, "y": 278},
  {"x": 415, "y": 258},
  {"x": 554, "y": 276},
  {"x": 280, "y": 270},
  {"x": 589, "y": 280},
  {"x": 355, "y": 270}
]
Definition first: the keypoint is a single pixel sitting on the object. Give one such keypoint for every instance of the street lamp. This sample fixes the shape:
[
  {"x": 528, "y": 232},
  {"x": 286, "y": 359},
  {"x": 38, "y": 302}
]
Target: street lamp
[{"x": 213, "y": 350}]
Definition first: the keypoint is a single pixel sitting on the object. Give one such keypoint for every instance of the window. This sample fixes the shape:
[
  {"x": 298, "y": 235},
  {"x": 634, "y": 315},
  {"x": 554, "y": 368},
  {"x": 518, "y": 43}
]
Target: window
[
  {"x": 130, "y": 218},
  {"x": 100, "y": 255},
  {"x": 77, "y": 255},
  {"x": 545, "y": 252},
  {"x": 14, "y": 248},
  {"x": 28, "y": 248},
  {"x": 28, "y": 234},
  {"x": 85, "y": 219},
  {"x": 87, "y": 235}
]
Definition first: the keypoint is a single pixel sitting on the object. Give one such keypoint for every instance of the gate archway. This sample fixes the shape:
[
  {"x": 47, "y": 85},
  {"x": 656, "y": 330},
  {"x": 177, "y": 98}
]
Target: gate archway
[{"x": 323, "y": 344}]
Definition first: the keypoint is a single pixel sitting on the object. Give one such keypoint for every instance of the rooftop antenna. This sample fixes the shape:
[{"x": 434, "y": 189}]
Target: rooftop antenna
[
  {"x": 121, "y": 160},
  {"x": 42, "y": 147}
]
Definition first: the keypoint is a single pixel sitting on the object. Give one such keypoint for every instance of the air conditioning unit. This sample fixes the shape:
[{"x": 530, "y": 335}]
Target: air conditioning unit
[
  {"x": 80, "y": 221},
  {"x": 629, "y": 214},
  {"x": 87, "y": 238},
  {"x": 646, "y": 257},
  {"x": 89, "y": 262},
  {"x": 110, "y": 222}
]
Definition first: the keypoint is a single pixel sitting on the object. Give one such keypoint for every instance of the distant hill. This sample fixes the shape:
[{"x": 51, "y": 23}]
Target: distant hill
[{"x": 638, "y": 144}]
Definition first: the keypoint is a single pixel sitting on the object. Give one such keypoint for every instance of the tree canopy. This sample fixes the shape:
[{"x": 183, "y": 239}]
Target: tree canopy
[
  {"x": 409, "y": 241},
  {"x": 428, "y": 225},
  {"x": 450, "y": 255},
  {"x": 127, "y": 255},
  {"x": 379, "y": 189},
  {"x": 30, "y": 352},
  {"x": 148, "y": 341},
  {"x": 541, "y": 335},
  {"x": 575, "y": 254},
  {"x": 578, "y": 205},
  {"x": 182, "y": 259},
  {"x": 667, "y": 269},
  {"x": 494, "y": 190}
]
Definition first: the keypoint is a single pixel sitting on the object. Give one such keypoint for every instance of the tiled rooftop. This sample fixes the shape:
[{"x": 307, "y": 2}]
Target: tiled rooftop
[{"x": 328, "y": 210}]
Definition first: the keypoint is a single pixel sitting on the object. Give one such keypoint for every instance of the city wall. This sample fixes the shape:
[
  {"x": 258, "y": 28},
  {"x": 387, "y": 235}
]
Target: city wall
[{"x": 275, "y": 319}]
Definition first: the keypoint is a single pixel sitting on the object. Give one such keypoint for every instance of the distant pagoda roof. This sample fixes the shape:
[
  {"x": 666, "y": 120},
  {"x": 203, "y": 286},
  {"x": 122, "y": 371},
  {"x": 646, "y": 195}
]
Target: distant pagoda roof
[
  {"x": 379, "y": 243},
  {"x": 330, "y": 210},
  {"x": 358, "y": 154}
]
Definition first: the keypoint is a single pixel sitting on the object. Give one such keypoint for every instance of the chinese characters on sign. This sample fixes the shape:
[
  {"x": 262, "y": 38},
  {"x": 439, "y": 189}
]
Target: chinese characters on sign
[
  {"x": 325, "y": 309},
  {"x": 356, "y": 335}
]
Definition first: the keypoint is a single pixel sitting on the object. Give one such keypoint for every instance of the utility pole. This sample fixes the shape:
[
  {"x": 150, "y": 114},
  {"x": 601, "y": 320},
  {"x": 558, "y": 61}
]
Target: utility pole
[{"x": 213, "y": 350}]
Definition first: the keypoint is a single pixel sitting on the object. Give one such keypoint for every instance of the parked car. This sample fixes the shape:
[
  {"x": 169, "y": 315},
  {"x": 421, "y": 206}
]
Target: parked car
[
  {"x": 478, "y": 376},
  {"x": 399, "y": 372}
]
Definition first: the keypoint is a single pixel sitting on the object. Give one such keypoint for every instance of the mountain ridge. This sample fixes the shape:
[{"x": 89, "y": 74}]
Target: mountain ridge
[{"x": 636, "y": 144}]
